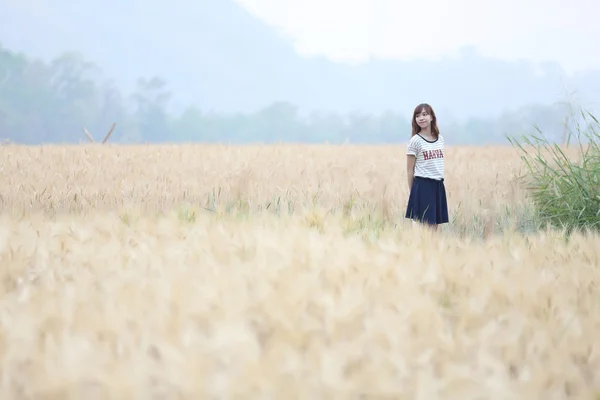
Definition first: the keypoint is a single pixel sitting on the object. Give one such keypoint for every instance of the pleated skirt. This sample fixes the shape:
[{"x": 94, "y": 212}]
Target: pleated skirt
[{"x": 427, "y": 201}]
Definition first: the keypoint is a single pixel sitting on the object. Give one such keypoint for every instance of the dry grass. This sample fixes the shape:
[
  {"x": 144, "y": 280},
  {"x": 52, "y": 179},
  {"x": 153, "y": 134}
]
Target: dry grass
[{"x": 283, "y": 272}]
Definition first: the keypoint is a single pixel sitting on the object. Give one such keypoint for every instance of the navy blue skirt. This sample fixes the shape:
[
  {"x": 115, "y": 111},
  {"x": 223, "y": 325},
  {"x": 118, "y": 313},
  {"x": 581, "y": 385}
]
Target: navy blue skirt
[{"x": 427, "y": 201}]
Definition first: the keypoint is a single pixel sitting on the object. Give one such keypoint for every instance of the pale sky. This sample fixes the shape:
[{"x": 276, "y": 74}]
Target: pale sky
[{"x": 348, "y": 30}]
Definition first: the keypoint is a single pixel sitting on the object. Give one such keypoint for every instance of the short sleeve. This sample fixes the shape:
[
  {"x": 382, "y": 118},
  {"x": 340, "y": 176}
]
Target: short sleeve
[{"x": 413, "y": 146}]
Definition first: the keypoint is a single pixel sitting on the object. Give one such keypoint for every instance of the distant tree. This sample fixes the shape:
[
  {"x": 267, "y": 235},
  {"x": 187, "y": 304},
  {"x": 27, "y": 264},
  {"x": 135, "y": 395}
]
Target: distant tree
[
  {"x": 52, "y": 102},
  {"x": 151, "y": 98}
]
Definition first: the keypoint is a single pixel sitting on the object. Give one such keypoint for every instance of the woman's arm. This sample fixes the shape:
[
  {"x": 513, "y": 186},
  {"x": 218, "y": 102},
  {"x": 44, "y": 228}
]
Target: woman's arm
[{"x": 410, "y": 170}]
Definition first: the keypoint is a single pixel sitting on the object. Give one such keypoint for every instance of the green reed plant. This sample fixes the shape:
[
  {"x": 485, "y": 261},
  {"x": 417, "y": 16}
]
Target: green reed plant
[{"x": 563, "y": 179}]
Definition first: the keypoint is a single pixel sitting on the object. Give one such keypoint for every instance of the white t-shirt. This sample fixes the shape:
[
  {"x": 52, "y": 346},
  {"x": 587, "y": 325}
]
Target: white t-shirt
[{"x": 429, "y": 161}]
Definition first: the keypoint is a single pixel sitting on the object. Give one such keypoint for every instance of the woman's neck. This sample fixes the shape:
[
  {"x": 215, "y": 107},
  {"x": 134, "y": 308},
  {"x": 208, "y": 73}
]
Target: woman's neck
[{"x": 426, "y": 131}]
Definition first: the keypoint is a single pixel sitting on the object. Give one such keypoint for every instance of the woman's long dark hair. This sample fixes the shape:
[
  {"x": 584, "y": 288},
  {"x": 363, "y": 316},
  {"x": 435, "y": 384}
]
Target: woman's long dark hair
[{"x": 416, "y": 128}]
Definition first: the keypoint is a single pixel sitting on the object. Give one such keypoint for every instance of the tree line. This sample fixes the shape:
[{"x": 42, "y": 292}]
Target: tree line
[{"x": 52, "y": 102}]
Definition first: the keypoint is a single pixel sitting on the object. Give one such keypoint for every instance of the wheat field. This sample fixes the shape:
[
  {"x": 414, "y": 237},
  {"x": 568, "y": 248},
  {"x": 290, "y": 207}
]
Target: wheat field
[{"x": 284, "y": 271}]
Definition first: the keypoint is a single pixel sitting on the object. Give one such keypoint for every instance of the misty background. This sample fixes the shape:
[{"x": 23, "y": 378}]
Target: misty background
[{"x": 213, "y": 71}]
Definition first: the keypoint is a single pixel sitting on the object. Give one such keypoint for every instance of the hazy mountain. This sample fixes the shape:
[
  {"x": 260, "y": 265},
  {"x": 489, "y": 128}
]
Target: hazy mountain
[{"x": 215, "y": 54}]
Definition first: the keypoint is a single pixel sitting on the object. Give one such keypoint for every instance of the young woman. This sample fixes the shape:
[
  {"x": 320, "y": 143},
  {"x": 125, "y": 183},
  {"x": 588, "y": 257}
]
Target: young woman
[{"x": 425, "y": 170}]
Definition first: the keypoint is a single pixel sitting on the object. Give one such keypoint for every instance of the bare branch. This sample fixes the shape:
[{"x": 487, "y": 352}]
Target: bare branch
[
  {"x": 109, "y": 133},
  {"x": 91, "y": 139},
  {"x": 88, "y": 135}
]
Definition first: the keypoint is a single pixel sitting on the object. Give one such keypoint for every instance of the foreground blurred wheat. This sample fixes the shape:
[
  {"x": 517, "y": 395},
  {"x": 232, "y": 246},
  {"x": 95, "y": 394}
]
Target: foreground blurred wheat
[{"x": 282, "y": 272}]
